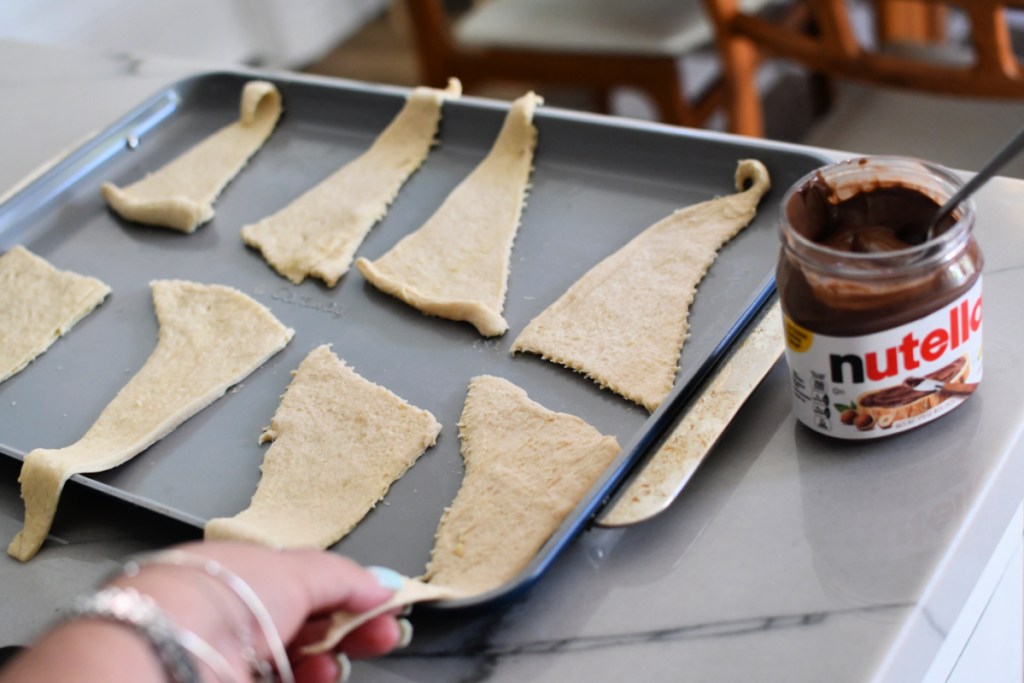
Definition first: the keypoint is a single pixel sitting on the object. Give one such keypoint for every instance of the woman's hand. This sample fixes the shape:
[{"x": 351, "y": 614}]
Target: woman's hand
[{"x": 298, "y": 588}]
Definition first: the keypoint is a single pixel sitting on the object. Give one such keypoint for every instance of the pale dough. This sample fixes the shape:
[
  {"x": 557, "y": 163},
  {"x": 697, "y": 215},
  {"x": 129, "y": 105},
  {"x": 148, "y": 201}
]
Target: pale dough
[
  {"x": 456, "y": 265},
  {"x": 181, "y": 194},
  {"x": 38, "y": 305},
  {"x": 526, "y": 468},
  {"x": 623, "y": 323},
  {"x": 343, "y": 623},
  {"x": 339, "y": 443},
  {"x": 318, "y": 234},
  {"x": 211, "y": 337},
  {"x": 701, "y": 424}
]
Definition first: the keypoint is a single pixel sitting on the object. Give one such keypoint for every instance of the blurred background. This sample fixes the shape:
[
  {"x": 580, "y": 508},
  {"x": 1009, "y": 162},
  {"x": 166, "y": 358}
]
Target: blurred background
[
  {"x": 366, "y": 40},
  {"x": 383, "y": 41}
]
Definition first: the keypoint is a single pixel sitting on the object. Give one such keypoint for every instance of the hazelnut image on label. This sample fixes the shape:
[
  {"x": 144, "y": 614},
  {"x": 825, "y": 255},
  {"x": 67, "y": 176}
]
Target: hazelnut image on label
[{"x": 864, "y": 422}]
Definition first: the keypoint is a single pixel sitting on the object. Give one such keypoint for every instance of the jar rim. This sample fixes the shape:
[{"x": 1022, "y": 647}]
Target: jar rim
[{"x": 944, "y": 184}]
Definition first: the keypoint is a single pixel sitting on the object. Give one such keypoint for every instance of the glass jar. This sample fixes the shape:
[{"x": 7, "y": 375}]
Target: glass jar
[{"x": 883, "y": 322}]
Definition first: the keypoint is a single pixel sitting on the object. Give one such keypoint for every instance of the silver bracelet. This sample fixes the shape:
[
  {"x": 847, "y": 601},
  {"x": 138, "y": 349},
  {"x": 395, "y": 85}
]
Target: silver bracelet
[
  {"x": 244, "y": 592},
  {"x": 140, "y": 612},
  {"x": 207, "y": 654}
]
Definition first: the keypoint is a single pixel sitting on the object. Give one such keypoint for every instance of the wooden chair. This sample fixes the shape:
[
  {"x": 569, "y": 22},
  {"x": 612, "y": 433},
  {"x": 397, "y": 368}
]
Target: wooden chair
[
  {"x": 596, "y": 44},
  {"x": 744, "y": 39}
]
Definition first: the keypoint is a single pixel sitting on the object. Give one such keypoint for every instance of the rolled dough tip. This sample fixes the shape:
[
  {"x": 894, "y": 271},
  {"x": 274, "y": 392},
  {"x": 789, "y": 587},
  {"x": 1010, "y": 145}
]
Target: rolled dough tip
[
  {"x": 754, "y": 172},
  {"x": 253, "y": 95},
  {"x": 454, "y": 88}
]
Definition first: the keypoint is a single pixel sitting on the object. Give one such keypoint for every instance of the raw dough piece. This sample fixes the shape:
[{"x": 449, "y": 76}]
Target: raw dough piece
[
  {"x": 211, "y": 337},
  {"x": 38, "y": 304},
  {"x": 343, "y": 623},
  {"x": 181, "y": 194},
  {"x": 339, "y": 443},
  {"x": 318, "y": 233},
  {"x": 526, "y": 468},
  {"x": 456, "y": 265},
  {"x": 623, "y": 323},
  {"x": 700, "y": 425}
]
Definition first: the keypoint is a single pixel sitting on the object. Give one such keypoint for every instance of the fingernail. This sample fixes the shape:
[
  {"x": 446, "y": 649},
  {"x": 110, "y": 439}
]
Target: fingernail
[
  {"x": 344, "y": 667},
  {"x": 405, "y": 633},
  {"x": 388, "y": 578}
]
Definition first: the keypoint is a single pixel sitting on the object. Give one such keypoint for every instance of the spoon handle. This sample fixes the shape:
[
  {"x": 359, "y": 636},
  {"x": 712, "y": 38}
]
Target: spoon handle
[{"x": 995, "y": 163}]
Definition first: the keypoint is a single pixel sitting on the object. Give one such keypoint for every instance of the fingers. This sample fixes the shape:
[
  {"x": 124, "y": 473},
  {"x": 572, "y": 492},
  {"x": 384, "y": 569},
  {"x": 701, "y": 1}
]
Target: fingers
[
  {"x": 298, "y": 583},
  {"x": 318, "y": 669},
  {"x": 376, "y": 637},
  {"x": 332, "y": 582},
  {"x": 300, "y": 587}
]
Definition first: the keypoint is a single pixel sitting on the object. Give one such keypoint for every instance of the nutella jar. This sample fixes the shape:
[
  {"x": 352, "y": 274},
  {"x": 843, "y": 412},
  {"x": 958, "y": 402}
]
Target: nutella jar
[{"x": 883, "y": 324}]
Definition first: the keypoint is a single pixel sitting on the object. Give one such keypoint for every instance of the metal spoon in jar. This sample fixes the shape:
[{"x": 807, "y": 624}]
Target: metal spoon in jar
[{"x": 997, "y": 162}]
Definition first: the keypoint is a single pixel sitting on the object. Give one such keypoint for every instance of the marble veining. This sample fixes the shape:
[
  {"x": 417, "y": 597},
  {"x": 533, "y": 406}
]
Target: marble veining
[{"x": 734, "y": 627}]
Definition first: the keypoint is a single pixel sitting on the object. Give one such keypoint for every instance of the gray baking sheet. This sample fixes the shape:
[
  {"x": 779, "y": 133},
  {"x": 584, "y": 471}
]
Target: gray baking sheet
[{"x": 597, "y": 182}]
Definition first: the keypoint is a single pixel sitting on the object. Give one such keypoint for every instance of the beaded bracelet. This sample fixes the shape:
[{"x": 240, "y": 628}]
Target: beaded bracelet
[{"x": 129, "y": 607}]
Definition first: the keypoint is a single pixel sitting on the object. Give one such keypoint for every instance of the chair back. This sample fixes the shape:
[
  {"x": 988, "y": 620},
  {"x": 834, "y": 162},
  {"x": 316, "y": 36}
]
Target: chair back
[
  {"x": 596, "y": 46},
  {"x": 992, "y": 70}
]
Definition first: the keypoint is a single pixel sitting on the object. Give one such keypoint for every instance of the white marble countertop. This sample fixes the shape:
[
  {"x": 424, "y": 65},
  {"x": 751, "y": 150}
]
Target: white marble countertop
[{"x": 789, "y": 558}]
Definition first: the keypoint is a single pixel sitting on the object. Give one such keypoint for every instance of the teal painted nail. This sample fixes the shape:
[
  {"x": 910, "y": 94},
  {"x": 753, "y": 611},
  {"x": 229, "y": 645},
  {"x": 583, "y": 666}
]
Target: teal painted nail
[
  {"x": 344, "y": 667},
  {"x": 388, "y": 578},
  {"x": 405, "y": 633}
]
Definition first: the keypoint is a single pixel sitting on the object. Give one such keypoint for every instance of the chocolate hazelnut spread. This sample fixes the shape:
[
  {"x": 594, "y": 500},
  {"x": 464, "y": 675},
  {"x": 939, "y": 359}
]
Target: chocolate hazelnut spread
[
  {"x": 877, "y": 218},
  {"x": 878, "y": 315},
  {"x": 886, "y": 219}
]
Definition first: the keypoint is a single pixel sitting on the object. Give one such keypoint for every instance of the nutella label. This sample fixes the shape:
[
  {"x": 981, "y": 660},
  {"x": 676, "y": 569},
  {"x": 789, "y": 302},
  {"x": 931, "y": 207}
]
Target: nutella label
[{"x": 887, "y": 382}]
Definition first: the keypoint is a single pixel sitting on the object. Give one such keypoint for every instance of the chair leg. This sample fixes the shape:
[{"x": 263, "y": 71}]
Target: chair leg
[
  {"x": 746, "y": 114},
  {"x": 432, "y": 41},
  {"x": 823, "y": 93},
  {"x": 666, "y": 92},
  {"x": 602, "y": 99}
]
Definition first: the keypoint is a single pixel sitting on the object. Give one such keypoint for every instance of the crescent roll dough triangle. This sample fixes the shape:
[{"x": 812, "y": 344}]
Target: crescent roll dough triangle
[
  {"x": 318, "y": 233},
  {"x": 456, "y": 265},
  {"x": 343, "y": 622},
  {"x": 181, "y": 194},
  {"x": 623, "y": 323},
  {"x": 526, "y": 468},
  {"x": 340, "y": 441},
  {"x": 211, "y": 337},
  {"x": 38, "y": 304}
]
